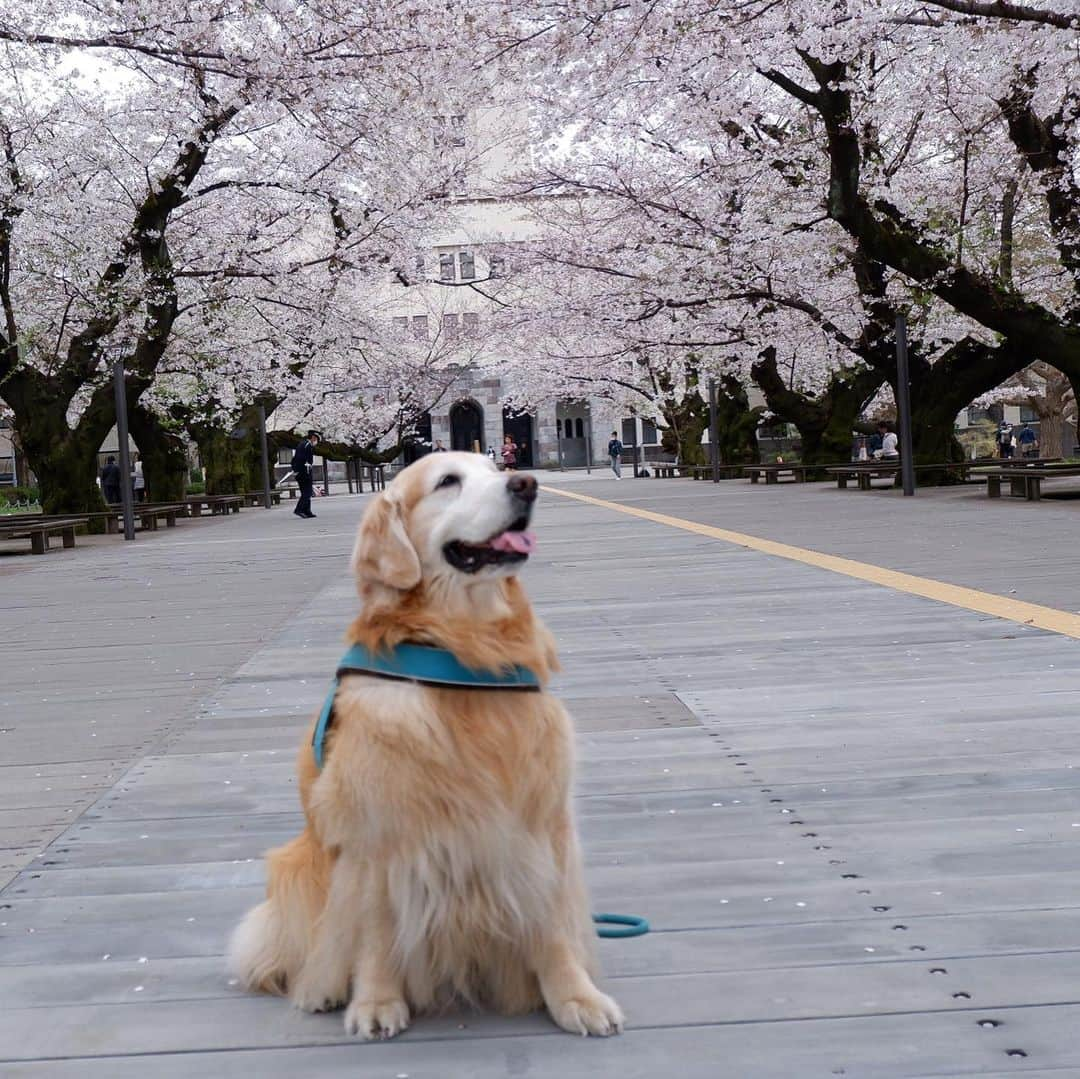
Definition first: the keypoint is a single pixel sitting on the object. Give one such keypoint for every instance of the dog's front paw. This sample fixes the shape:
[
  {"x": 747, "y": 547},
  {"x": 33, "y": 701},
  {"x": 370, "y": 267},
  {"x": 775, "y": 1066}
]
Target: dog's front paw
[
  {"x": 373, "y": 1019},
  {"x": 311, "y": 994},
  {"x": 588, "y": 1013}
]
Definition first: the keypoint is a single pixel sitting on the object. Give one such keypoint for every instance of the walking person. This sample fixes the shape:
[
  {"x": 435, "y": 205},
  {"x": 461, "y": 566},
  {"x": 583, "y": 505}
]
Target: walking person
[
  {"x": 1005, "y": 440},
  {"x": 303, "y": 466},
  {"x": 509, "y": 454},
  {"x": 614, "y": 449},
  {"x": 1029, "y": 444},
  {"x": 138, "y": 480},
  {"x": 110, "y": 481}
]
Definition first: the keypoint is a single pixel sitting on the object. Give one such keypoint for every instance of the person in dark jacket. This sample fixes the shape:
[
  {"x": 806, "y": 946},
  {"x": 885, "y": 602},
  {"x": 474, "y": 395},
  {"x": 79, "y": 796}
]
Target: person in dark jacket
[
  {"x": 303, "y": 464},
  {"x": 110, "y": 480}
]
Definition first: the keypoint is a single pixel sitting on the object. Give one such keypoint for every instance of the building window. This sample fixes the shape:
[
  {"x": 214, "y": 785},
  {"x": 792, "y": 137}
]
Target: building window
[
  {"x": 496, "y": 266},
  {"x": 451, "y": 327},
  {"x": 419, "y": 264},
  {"x": 648, "y": 433},
  {"x": 468, "y": 265},
  {"x": 419, "y": 327},
  {"x": 470, "y": 323},
  {"x": 446, "y": 267},
  {"x": 579, "y": 424},
  {"x": 450, "y": 130},
  {"x": 401, "y": 323},
  {"x": 1028, "y": 415}
]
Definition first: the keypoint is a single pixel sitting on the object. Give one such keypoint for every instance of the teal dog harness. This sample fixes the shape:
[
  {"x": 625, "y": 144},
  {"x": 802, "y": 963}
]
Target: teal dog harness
[
  {"x": 423, "y": 664},
  {"x": 427, "y": 665}
]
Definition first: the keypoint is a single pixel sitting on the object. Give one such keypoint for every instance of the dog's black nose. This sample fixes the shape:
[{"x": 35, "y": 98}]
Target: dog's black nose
[{"x": 523, "y": 487}]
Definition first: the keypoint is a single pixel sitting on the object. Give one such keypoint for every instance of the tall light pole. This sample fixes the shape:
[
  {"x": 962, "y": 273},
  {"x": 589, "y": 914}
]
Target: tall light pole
[
  {"x": 265, "y": 456},
  {"x": 127, "y": 496},
  {"x": 903, "y": 405},
  {"x": 714, "y": 433}
]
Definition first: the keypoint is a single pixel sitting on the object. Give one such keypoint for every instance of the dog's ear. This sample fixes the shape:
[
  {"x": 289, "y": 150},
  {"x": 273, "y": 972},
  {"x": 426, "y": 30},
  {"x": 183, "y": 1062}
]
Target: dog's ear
[{"x": 384, "y": 554}]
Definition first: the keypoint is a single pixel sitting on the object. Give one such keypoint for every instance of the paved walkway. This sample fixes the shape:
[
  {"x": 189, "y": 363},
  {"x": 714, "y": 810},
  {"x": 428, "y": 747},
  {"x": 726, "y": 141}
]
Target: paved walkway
[{"x": 851, "y": 813}]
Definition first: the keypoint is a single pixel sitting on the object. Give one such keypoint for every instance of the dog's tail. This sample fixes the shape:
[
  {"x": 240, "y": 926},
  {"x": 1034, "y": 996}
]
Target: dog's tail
[{"x": 268, "y": 947}]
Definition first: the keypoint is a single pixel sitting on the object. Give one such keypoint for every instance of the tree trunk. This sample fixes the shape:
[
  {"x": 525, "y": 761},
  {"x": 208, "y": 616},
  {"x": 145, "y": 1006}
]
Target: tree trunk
[
  {"x": 164, "y": 456},
  {"x": 737, "y": 423},
  {"x": 64, "y": 459},
  {"x": 686, "y": 422},
  {"x": 225, "y": 460},
  {"x": 826, "y": 422}
]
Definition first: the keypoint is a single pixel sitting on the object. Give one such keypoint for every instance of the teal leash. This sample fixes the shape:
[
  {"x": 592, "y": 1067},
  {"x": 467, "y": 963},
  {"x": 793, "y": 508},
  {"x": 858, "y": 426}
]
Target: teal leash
[
  {"x": 620, "y": 926},
  {"x": 432, "y": 666}
]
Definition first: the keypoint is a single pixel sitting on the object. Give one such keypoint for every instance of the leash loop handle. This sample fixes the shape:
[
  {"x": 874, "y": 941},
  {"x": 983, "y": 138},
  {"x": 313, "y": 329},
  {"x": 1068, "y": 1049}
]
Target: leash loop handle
[{"x": 620, "y": 926}]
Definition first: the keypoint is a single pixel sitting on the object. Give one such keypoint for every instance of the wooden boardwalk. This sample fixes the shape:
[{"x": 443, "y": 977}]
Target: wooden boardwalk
[{"x": 851, "y": 815}]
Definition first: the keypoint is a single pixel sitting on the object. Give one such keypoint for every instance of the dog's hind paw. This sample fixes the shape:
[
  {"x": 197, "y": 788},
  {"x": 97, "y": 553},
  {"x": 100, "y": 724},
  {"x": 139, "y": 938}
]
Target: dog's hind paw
[
  {"x": 377, "y": 1019},
  {"x": 589, "y": 1013}
]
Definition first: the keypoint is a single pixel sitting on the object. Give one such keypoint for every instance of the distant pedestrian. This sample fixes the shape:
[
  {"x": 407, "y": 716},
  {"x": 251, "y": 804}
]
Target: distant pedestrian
[
  {"x": 509, "y": 453},
  {"x": 1005, "y": 439},
  {"x": 1029, "y": 444},
  {"x": 138, "y": 480},
  {"x": 303, "y": 466},
  {"x": 490, "y": 454},
  {"x": 614, "y": 449},
  {"x": 439, "y": 447},
  {"x": 110, "y": 481}
]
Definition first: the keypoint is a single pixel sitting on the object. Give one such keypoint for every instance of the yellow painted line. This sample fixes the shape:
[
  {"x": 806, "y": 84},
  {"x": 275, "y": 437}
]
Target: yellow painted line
[{"x": 970, "y": 599}]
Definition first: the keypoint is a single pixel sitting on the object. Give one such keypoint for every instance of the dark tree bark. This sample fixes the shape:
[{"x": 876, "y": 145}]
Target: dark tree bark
[
  {"x": 164, "y": 455},
  {"x": 886, "y": 236},
  {"x": 826, "y": 422}
]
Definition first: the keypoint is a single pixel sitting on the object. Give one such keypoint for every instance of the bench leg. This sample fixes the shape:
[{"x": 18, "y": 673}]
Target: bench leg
[
  {"x": 39, "y": 542},
  {"x": 1034, "y": 489},
  {"x": 1018, "y": 488},
  {"x": 864, "y": 481},
  {"x": 841, "y": 482},
  {"x": 993, "y": 486},
  {"x": 150, "y": 522},
  {"x": 170, "y": 520},
  {"x": 771, "y": 477},
  {"x": 112, "y": 526},
  {"x": 68, "y": 536}
]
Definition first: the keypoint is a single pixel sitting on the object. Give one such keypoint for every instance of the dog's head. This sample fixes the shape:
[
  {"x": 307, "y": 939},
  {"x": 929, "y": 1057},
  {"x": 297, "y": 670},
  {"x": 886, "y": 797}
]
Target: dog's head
[{"x": 449, "y": 518}]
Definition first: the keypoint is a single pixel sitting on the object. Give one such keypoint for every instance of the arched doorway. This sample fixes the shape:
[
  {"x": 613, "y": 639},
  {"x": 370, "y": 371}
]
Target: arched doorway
[
  {"x": 466, "y": 426},
  {"x": 519, "y": 426}
]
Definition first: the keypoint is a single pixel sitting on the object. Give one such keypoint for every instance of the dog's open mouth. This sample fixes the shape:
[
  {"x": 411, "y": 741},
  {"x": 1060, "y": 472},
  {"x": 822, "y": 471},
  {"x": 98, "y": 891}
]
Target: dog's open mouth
[{"x": 515, "y": 544}]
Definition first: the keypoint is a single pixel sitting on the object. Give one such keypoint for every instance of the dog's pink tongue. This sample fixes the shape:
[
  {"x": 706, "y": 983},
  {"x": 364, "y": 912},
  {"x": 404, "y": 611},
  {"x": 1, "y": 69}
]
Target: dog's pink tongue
[{"x": 519, "y": 542}]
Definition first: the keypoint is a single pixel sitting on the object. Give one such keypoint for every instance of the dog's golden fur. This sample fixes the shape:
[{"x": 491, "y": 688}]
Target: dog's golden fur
[{"x": 439, "y": 860}]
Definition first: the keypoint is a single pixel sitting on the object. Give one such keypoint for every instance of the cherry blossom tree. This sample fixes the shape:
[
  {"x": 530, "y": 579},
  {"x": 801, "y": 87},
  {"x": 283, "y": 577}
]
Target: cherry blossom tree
[{"x": 153, "y": 173}]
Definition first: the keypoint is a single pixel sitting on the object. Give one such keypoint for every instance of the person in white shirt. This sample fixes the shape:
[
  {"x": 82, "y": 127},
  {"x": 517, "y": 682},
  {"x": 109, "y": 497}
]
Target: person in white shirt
[{"x": 889, "y": 442}]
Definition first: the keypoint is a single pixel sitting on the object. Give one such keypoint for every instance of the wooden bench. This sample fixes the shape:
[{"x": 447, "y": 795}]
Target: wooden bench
[
  {"x": 38, "y": 529},
  {"x": 865, "y": 471},
  {"x": 1026, "y": 482},
  {"x": 705, "y": 472},
  {"x": 214, "y": 503},
  {"x": 773, "y": 472},
  {"x": 253, "y": 499},
  {"x": 669, "y": 471},
  {"x": 148, "y": 514}
]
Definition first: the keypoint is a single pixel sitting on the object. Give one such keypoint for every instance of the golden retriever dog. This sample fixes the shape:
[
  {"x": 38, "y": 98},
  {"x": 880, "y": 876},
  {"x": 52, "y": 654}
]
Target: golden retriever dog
[{"x": 439, "y": 862}]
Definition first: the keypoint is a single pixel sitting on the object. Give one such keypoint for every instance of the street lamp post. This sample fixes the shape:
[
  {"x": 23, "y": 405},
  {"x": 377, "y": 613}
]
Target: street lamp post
[
  {"x": 127, "y": 496},
  {"x": 903, "y": 405}
]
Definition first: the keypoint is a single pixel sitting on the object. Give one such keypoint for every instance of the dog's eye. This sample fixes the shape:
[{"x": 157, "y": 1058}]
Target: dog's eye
[{"x": 449, "y": 480}]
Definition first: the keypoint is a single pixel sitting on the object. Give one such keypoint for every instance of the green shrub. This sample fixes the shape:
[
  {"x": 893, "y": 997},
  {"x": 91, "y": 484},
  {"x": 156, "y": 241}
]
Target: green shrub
[
  {"x": 196, "y": 476},
  {"x": 16, "y": 496},
  {"x": 197, "y": 488}
]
